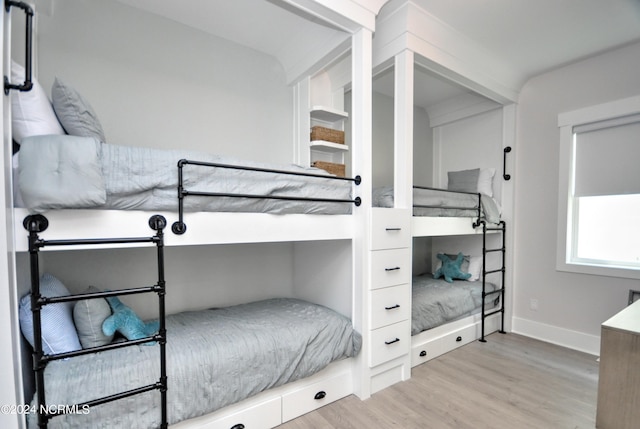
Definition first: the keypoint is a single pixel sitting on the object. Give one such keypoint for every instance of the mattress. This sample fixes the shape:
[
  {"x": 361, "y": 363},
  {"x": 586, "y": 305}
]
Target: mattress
[
  {"x": 70, "y": 172},
  {"x": 436, "y": 302},
  {"x": 441, "y": 200},
  {"x": 215, "y": 357}
]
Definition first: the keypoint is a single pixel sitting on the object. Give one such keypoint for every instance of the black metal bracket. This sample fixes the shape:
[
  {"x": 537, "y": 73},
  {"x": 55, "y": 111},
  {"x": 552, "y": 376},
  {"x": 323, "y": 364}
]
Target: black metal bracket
[
  {"x": 505, "y": 176},
  {"x": 27, "y": 84}
]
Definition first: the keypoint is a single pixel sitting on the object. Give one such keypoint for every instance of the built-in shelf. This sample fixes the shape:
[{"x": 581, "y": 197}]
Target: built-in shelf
[
  {"x": 327, "y": 114},
  {"x": 326, "y": 146}
]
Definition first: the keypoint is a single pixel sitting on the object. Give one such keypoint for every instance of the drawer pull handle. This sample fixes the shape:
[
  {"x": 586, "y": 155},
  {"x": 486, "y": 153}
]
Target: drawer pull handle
[
  {"x": 392, "y": 269},
  {"x": 459, "y": 339},
  {"x": 392, "y": 341},
  {"x": 423, "y": 353},
  {"x": 393, "y": 229},
  {"x": 392, "y": 307},
  {"x": 320, "y": 395},
  {"x": 238, "y": 426}
]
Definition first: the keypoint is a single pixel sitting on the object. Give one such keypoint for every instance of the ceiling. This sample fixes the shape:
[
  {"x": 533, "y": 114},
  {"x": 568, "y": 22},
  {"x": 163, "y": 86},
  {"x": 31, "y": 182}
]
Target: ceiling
[{"x": 531, "y": 36}]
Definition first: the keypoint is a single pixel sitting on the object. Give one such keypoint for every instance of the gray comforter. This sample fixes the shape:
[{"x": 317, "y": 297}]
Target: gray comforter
[
  {"x": 383, "y": 197},
  {"x": 215, "y": 358},
  {"x": 436, "y": 302},
  {"x": 58, "y": 172}
]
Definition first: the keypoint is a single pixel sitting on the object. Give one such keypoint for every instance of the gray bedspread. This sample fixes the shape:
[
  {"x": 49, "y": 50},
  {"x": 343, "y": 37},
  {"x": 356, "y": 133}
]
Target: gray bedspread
[
  {"x": 215, "y": 358},
  {"x": 436, "y": 302},
  {"x": 383, "y": 197},
  {"x": 58, "y": 172}
]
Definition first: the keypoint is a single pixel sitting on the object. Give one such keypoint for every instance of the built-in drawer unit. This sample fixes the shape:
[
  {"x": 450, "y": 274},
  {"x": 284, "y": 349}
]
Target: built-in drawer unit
[
  {"x": 309, "y": 398},
  {"x": 390, "y": 267},
  {"x": 390, "y": 228},
  {"x": 390, "y": 305},
  {"x": 432, "y": 348},
  {"x": 266, "y": 414},
  {"x": 389, "y": 342}
]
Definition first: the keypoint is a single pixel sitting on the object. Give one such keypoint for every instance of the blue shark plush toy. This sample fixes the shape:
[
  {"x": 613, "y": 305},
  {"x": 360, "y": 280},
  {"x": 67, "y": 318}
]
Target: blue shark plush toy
[
  {"x": 126, "y": 321},
  {"x": 450, "y": 268}
]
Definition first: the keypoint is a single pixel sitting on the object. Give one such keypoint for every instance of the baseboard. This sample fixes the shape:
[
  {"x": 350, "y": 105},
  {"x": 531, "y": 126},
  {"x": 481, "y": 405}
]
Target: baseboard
[{"x": 552, "y": 334}]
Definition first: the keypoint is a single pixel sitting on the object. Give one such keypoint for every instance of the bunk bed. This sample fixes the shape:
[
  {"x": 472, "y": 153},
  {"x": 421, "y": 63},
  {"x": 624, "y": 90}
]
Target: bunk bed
[
  {"x": 78, "y": 179},
  {"x": 454, "y": 311},
  {"x": 208, "y": 359},
  {"x": 450, "y": 312},
  {"x": 65, "y": 167}
]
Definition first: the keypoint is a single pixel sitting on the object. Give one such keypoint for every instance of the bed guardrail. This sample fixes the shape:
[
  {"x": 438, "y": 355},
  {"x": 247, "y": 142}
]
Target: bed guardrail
[
  {"x": 36, "y": 224},
  {"x": 180, "y": 227},
  {"x": 477, "y": 209}
]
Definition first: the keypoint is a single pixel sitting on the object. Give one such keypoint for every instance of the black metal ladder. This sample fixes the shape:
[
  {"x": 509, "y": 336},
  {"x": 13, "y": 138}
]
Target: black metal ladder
[
  {"x": 38, "y": 223},
  {"x": 502, "y": 229}
]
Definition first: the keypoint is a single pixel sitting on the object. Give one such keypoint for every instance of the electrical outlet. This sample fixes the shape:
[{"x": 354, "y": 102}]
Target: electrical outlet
[{"x": 533, "y": 305}]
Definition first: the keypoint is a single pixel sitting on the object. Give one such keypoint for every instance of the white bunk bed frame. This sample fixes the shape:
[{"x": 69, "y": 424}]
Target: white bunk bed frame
[
  {"x": 408, "y": 36},
  {"x": 404, "y": 42}
]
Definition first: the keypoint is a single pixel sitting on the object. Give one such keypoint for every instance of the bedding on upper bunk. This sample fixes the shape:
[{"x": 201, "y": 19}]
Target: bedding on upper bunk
[
  {"x": 71, "y": 172},
  {"x": 436, "y": 301},
  {"x": 441, "y": 199},
  {"x": 215, "y": 357}
]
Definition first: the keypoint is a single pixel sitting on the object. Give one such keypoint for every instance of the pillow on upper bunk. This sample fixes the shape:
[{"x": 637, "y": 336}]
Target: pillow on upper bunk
[
  {"x": 74, "y": 112},
  {"x": 88, "y": 315},
  {"x": 485, "y": 181},
  {"x": 475, "y": 180},
  {"x": 464, "y": 180},
  {"x": 58, "y": 331},
  {"x": 31, "y": 111}
]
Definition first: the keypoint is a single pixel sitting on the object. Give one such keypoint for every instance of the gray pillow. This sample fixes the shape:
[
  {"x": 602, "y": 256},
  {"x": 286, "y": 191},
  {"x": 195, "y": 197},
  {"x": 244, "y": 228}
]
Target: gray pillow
[
  {"x": 88, "y": 316},
  {"x": 465, "y": 180},
  {"x": 74, "y": 112}
]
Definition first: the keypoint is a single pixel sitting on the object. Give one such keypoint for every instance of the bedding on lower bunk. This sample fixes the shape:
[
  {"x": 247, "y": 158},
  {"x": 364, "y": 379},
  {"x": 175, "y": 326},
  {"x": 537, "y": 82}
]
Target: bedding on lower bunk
[
  {"x": 436, "y": 302},
  {"x": 215, "y": 357},
  {"x": 70, "y": 172},
  {"x": 441, "y": 199}
]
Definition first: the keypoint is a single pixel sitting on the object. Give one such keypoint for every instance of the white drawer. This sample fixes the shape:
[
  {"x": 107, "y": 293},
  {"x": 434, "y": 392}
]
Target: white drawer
[
  {"x": 309, "y": 398},
  {"x": 264, "y": 415},
  {"x": 389, "y": 343},
  {"x": 438, "y": 346},
  {"x": 390, "y": 305},
  {"x": 390, "y": 228},
  {"x": 390, "y": 267}
]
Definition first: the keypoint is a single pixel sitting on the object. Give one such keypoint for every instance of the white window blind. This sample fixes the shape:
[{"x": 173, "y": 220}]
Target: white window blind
[{"x": 607, "y": 157}]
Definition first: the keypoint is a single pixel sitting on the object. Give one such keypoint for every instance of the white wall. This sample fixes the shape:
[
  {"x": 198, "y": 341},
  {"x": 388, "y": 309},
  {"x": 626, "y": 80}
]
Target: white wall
[
  {"x": 382, "y": 140},
  {"x": 157, "y": 83},
  {"x": 571, "y": 307}
]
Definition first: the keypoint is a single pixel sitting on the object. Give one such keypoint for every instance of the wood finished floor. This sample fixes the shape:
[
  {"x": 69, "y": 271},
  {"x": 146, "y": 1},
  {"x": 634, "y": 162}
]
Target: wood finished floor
[{"x": 510, "y": 382}]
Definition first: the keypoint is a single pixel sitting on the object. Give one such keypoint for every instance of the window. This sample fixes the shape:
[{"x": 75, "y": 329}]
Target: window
[{"x": 599, "y": 198}]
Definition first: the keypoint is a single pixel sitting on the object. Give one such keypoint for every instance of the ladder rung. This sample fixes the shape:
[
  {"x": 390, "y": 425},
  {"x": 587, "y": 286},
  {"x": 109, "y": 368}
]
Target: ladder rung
[
  {"x": 493, "y": 312},
  {"x": 494, "y": 271},
  {"x": 495, "y": 229},
  {"x": 501, "y": 249},
  {"x": 494, "y": 291}
]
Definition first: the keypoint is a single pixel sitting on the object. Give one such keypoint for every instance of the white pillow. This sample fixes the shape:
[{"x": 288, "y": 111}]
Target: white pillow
[
  {"x": 485, "y": 181},
  {"x": 475, "y": 268},
  {"x": 31, "y": 111}
]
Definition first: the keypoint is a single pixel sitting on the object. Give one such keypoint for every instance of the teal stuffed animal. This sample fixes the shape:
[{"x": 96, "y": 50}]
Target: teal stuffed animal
[
  {"x": 127, "y": 322},
  {"x": 450, "y": 268}
]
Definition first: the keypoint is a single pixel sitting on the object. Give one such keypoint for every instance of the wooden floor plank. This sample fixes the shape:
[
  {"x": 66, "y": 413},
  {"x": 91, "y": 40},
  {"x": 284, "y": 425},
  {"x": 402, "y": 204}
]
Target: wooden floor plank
[{"x": 508, "y": 382}]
